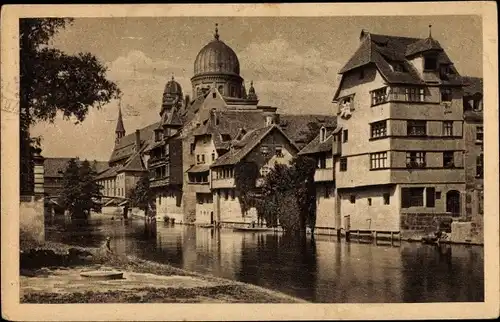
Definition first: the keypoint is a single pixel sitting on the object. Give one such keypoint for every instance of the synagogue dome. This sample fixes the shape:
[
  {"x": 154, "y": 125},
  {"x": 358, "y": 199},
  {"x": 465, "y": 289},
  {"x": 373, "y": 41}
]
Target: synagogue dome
[{"x": 216, "y": 57}]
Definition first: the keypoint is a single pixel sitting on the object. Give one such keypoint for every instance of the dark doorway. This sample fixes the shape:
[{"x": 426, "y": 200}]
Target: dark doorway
[{"x": 453, "y": 203}]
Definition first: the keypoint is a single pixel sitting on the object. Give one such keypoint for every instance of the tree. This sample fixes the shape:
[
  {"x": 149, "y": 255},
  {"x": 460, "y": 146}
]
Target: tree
[
  {"x": 289, "y": 195},
  {"x": 80, "y": 194},
  {"x": 141, "y": 196},
  {"x": 245, "y": 176},
  {"x": 51, "y": 82}
]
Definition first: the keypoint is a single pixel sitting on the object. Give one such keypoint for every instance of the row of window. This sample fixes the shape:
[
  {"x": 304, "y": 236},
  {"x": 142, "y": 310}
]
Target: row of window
[
  {"x": 414, "y": 197},
  {"x": 278, "y": 150},
  {"x": 407, "y": 94},
  {"x": 200, "y": 158},
  {"x": 413, "y": 128},
  {"x": 414, "y": 160}
]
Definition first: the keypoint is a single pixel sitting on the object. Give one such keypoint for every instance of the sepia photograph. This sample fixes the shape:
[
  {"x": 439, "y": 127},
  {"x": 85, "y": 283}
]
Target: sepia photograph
[{"x": 249, "y": 158}]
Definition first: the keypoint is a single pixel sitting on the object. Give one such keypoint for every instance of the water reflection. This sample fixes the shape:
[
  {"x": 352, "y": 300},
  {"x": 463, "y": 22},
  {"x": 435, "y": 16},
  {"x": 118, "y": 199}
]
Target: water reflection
[{"x": 323, "y": 270}]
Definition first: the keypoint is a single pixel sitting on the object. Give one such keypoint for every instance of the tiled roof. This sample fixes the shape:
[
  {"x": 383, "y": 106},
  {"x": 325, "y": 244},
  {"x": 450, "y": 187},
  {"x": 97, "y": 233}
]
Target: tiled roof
[
  {"x": 247, "y": 144},
  {"x": 134, "y": 164},
  {"x": 383, "y": 50},
  {"x": 315, "y": 146},
  {"x": 126, "y": 145},
  {"x": 472, "y": 85},
  {"x": 52, "y": 166},
  {"x": 199, "y": 168},
  {"x": 296, "y": 126},
  {"x": 109, "y": 173}
]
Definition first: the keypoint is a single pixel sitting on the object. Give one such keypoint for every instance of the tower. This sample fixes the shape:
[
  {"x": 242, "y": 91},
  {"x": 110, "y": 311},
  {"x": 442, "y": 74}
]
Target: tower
[{"x": 120, "y": 129}]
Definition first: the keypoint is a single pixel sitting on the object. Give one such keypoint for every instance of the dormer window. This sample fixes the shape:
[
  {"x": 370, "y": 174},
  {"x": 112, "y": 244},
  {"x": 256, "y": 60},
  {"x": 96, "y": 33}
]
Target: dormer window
[
  {"x": 322, "y": 134},
  {"x": 269, "y": 120},
  {"x": 430, "y": 63},
  {"x": 446, "y": 94}
]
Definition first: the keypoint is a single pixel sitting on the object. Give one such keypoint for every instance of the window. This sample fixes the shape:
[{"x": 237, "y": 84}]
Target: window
[
  {"x": 438, "y": 194},
  {"x": 327, "y": 192},
  {"x": 415, "y": 159},
  {"x": 232, "y": 194},
  {"x": 225, "y": 194},
  {"x": 322, "y": 134},
  {"x": 448, "y": 128},
  {"x": 479, "y": 134},
  {"x": 398, "y": 67},
  {"x": 279, "y": 151},
  {"x": 379, "y": 129},
  {"x": 345, "y": 136},
  {"x": 353, "y": 199},
  {"x": 322, "y": 162},
  {"x": 446, "y": 95},
  {"x": 225, "y": 137},
  {"x": 264, "y": 149},
  {"x": 202, "y": 158},
  {"x": 479, "y": 166},
  {"x": 378, "y": 160},
  {"x": 414, "y": 94},
  {"x": 191, "y": 148},
  {"x": 379, "y": 96},
  {"x": 369, "y": 201},
  {"x": 198, "y": 159},
  {"x": 343, "y": 164},
  {"x": 430, "y": 197},
  {"x": 264, "y": 171},
  {"x": 448, "y": 161},
  {"x": 221, "y": 90},
  {"x": 412, "y": 197},
  {"x": 477, "y": 105},
  {"x": 416, "y": 128},
  {"x": 213, "y": 156},
  {"x": 430, "y": 63},
  {"x": 386, "y": 198}
]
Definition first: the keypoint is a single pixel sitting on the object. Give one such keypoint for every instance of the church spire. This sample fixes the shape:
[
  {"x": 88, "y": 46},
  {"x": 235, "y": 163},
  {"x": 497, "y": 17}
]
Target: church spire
[
  {"x": 120, "y": 129},
  {"x": 216, "y": 35}
]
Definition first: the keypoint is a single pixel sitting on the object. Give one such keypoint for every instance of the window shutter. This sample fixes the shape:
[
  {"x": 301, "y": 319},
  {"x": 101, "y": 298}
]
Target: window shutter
[
  {"x": 405, "y": 197},
  {"x": 430, "y": 196}
]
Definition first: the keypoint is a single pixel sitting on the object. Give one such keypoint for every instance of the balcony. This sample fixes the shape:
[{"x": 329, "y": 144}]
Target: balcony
[
  {"x": 156, "y": 161},
  {"x": 200, "y": 187},
  {"x": 159, "y": 182},
  {"x": 223, "y": 183},
  {"x": 324, "y": 174}
]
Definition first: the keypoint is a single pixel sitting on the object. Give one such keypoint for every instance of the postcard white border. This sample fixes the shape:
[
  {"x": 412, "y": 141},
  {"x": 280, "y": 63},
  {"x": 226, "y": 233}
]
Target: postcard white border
[{"x": 12, "y": 310}]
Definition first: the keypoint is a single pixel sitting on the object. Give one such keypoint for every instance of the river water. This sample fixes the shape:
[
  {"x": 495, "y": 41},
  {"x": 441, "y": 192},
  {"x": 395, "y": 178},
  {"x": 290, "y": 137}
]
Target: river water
[{"x": 323, "y": 271}]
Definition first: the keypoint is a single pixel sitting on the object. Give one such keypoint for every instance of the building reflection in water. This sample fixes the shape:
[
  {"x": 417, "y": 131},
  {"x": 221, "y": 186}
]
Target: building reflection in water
[{"x": 322, "y": 271}]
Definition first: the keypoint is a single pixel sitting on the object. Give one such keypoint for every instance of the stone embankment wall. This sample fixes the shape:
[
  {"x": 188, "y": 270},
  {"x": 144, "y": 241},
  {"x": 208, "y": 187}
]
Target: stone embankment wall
[
  {"x": 467, "y": 232},
  {"x": 31, "y": 218}
]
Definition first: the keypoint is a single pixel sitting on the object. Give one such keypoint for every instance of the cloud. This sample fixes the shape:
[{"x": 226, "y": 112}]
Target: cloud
[{"x": 277, "y": 60}]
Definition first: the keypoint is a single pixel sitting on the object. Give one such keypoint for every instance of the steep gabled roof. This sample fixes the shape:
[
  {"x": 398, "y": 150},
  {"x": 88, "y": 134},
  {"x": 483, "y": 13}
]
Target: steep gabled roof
[
  {"x": 133, "y": 164},
  {"x": 126, "y": 146},
  {"x": 247, "y": 144}
]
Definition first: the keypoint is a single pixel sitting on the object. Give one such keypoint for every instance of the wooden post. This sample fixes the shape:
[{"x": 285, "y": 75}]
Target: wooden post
[
  {"x": 375, "y": 236},
  {"x": 392, "y": 237}
]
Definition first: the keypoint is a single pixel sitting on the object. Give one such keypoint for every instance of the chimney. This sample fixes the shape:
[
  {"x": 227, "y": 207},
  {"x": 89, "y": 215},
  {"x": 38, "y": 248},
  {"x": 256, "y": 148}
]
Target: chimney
[
  {"x": 363, "y": 35},
  {"x": 137, "y": 140}
]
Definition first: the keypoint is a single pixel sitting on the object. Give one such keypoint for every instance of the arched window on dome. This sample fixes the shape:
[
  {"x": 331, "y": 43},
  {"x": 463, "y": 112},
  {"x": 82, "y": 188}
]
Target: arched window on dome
[
  {"x": 322, "y": 134},
  {"x": 221, "y": 89},
  {"x": 198, "y": 91}
]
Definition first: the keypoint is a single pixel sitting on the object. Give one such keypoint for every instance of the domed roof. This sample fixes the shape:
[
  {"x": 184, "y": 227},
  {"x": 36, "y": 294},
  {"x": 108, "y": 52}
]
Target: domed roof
[
  {"x": 173, "y": 88},
  {"x": 216, "y": 57}
]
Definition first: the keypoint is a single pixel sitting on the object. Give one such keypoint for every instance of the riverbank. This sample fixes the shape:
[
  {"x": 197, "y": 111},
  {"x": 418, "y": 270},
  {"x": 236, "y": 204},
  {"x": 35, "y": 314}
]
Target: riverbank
[{"x": 143, "y": 282}]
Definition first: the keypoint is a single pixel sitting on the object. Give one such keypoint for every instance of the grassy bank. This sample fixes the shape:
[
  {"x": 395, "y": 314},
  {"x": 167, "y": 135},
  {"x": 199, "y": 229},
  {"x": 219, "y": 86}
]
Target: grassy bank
[{"x": 35, "y": 283}]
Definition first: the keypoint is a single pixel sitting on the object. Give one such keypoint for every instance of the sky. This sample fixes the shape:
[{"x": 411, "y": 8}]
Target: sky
[{"x": 293, "y": 62}]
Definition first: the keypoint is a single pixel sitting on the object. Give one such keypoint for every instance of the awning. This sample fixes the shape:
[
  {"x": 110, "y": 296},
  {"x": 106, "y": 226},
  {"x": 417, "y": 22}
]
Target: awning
[{"x": 199, "y": 168}]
